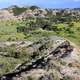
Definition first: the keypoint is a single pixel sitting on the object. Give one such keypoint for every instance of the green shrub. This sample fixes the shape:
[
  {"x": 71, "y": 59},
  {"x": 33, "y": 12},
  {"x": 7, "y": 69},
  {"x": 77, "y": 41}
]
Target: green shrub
[{"x": 67, "y": 78}]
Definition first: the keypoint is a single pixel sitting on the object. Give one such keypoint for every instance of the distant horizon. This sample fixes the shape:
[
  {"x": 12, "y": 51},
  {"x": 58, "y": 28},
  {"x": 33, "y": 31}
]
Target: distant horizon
[
  {"x": 42, "y": 3},
  {"x": 39, "y": 7}
]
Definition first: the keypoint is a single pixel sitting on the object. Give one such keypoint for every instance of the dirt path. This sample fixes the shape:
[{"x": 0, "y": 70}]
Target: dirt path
[{"x": 75, "y": 46}]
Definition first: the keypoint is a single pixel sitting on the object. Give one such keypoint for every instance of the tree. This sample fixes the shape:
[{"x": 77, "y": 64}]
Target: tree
[{"x": 34, "y": 7}]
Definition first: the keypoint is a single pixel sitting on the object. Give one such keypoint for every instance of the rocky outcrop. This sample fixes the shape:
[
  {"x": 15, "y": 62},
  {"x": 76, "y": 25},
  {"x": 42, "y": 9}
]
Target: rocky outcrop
[
  {"x": 5, "y": 14},
  {"x": 57, "y": 64}
]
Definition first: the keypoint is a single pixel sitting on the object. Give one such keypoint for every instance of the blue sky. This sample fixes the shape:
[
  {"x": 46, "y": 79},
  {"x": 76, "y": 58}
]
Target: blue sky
[{"x": 42, "y": 3}]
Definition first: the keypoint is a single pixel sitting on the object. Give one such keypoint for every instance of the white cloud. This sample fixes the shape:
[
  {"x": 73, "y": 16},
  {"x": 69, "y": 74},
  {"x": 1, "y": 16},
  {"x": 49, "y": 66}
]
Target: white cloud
[
  {"x": 4, "y": 0},
  {"x": 8, "y": 1},
  {"x": 76, "y": 0}
]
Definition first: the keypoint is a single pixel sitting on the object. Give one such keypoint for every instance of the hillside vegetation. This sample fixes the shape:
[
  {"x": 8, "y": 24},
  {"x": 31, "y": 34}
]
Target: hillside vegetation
[
  {"x": 28, "y": 27},
  {"x": 32, "y": 24}
]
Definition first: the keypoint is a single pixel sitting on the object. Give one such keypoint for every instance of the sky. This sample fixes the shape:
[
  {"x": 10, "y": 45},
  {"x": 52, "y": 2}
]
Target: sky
[{"x": 42, "y": 3}]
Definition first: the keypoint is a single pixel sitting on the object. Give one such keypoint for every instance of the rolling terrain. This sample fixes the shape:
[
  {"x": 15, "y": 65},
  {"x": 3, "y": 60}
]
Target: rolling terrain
[{"x": 39, "y": 44}]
